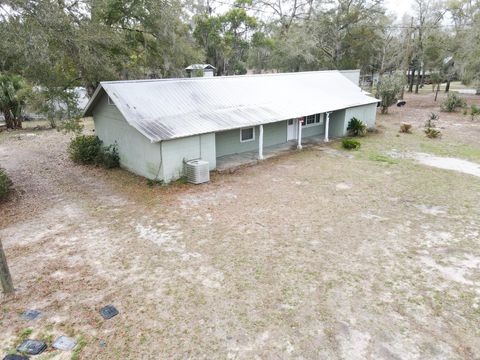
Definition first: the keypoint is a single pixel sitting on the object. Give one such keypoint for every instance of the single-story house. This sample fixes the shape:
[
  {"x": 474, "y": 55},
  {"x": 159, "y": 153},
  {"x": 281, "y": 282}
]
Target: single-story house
[
  {"x": 206, "y": 70},
  {"x": 158, "y": 125}
]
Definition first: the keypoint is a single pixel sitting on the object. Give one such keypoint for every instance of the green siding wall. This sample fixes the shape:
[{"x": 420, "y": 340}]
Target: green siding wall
[
  {"x": 137, "y": 153},
  {"x": 366, "y": 113},
  {"x": 339, "y": 119},
  {"x": 175, "y": 152},
  {"x": 313, "y": 130},
  {"x": 228, "y": 142},
  {"x": 337, "y": 126},
  {"x": 274, "y": 133}
]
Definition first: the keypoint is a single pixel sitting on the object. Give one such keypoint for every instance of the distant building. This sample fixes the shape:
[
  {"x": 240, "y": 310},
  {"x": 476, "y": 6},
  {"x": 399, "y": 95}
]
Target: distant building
[{"x": 205, "y": 70}]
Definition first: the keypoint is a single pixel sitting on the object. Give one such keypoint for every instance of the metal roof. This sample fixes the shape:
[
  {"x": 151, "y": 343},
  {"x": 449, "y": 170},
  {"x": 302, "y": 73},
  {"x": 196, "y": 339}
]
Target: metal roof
[
  {"x": 173, "y": 108},
  {"x": 201, "y": 67}
]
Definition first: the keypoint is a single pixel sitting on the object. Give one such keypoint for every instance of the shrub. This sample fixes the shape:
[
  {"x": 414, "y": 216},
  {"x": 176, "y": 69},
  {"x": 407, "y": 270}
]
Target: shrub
[
  {"x": 452, "y": 102},
  {"x": 432, "y": 133},
  {"x": 350, "y": 144},
  {"x": 356, "y": 127},
  {"x": 108, "y": 157},
  {"x": 88, "y": 150},
  {"x": 5, "y": 184},
  {"x": 474, "y": 111},
  {"x": 431, "y": 121},
  {"x": 84, "y": 149},
  {"x": 406, "y": 128}
]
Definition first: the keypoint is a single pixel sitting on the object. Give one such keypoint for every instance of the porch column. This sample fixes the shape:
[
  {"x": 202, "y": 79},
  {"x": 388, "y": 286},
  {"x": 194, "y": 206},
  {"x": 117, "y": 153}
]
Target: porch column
[
  {"x": 260, "y": 143},
  {"x": 327, "y": 125},
  {"x": 299, "y": 140}
]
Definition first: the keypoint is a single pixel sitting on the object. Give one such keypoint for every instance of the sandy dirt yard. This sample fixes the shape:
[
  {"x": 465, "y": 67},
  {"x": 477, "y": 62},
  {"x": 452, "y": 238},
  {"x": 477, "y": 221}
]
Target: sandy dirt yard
[{"x": 318, "y": 254}]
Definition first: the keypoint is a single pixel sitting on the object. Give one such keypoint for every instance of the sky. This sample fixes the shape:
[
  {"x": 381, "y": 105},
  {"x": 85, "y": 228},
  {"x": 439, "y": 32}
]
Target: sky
[{"x": 399, "y": 7}]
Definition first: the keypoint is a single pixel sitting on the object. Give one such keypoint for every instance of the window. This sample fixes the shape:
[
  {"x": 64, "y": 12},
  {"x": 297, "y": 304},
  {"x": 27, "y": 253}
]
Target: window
[
  {"x": 247, "y": 134},
  {"x": 319, "y": 119},
  {"x": 312, "y": 120},
  {"x": 290, "y": 121}
]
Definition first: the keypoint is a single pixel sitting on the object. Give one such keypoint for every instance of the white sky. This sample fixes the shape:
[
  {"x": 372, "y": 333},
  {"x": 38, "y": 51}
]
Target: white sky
[{"x": 399, "y": 7}]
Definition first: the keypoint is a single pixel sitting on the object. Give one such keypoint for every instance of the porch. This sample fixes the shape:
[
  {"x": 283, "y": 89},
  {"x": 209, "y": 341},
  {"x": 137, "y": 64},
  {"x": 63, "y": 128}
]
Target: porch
[{"x": 235, "y": 161}]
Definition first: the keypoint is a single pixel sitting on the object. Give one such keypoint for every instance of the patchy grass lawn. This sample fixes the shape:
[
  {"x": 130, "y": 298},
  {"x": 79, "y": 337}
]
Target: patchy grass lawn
[{"x": 322, "y": 253}]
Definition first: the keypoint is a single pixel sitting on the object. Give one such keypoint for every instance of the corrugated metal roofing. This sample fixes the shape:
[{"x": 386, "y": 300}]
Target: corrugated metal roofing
[
  {"x": 173, "y": 108},
  {"x": 200, "y": 67}
]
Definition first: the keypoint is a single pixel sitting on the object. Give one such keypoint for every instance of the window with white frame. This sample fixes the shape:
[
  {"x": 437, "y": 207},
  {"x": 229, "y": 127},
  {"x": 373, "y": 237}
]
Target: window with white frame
[
  {"x": 247, "y": 134},
  {"x": 312, "y": 120}
]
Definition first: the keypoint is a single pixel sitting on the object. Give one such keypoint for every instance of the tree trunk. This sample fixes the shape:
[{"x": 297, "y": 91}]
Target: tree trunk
[
  {"x": 438, "y": 89},
  {"x": 8, "y": 119},
  {"x": 17, "y": 122},
  {"x": 419, "y": 79},
  {"x": 412, "y": 79},
  {"x": 5, "y": 277},
  {"x": 423, "y": 77},
  {"x": 447, "y": 87}
]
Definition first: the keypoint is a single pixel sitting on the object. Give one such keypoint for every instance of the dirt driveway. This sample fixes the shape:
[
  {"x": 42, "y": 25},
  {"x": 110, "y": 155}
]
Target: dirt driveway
[{"x": 318, "y": 254}]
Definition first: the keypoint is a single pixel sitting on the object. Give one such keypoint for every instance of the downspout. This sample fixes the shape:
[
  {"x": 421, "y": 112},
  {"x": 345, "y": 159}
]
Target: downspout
[{"x": 161, "y": 161}]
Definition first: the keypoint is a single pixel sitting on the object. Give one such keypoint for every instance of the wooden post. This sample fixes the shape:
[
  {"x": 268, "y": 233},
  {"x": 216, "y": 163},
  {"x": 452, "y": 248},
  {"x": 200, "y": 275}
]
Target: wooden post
[{"x": 5, "y": 277}]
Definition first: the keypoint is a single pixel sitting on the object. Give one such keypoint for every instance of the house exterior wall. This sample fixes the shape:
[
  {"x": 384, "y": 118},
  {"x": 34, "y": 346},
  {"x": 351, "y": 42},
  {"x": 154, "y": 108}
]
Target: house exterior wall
[
  {"x": 339, "y": 119},
  {"x": 176, "y": 152},
  {"x": 366, "y": 113},
  {"x": 337, "y": 127},
  {"x": 228, "y": 142},
  {"x": 137, "y": 153},
  {"x": 314, "y": 130}
]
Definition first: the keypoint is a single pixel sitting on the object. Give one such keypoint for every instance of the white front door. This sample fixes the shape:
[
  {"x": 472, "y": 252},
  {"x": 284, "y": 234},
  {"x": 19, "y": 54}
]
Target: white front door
[{"x": 292, "y": 129}]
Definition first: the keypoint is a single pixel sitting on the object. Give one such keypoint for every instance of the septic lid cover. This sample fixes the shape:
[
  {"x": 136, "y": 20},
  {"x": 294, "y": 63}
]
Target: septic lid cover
[
  {"x": 32, "y": 347},
  {"x": 64, "y": 343},
  {"x": 31, "y": 314},
  {"x": 15, "y": 357},
  {"x": 108, "y": 312}
]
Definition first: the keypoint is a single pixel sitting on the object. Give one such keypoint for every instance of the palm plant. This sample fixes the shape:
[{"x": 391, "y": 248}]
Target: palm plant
[
  {"x": 356, "y": 127},
  {"x": 13, "y": 93}
]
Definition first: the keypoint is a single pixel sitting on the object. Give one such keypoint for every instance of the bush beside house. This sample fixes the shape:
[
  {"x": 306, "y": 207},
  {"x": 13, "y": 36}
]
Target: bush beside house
[
  {"x": 89, "y": 150},
  {"x": 350, "y": 144},
  {"x": 356, "y": 127}
]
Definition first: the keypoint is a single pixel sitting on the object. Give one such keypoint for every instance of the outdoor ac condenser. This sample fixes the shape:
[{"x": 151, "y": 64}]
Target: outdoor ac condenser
[{"x": 197, "y": 171}]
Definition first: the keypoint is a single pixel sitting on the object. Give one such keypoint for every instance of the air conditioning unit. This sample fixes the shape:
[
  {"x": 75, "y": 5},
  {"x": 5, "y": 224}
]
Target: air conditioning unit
[{"x": 197, "y": 171}]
